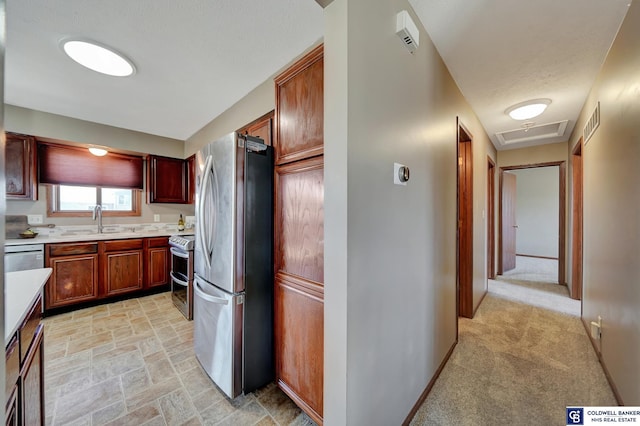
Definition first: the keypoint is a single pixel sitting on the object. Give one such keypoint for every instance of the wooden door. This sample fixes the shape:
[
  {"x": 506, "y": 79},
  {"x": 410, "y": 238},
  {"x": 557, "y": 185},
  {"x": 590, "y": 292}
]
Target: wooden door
[
  {"x": 508, "y": 222},
  {"x": 167, "y": 180},
  {"x": 73, "y": 279},
  {"x": 299, "y": 288},
  {"x": 261, "y": 128},
  {"x": 465, "y": 223},
  {"x": 33, "y": 384},
  {"x": 300, "y": 109},
  {"x": 20, "y": 167},
  {"x": 123, "y": 272},
  {"x": 577, "y": 226},
  {"x": 491, "y": 230},
  {"x": 157, "y": 260}
]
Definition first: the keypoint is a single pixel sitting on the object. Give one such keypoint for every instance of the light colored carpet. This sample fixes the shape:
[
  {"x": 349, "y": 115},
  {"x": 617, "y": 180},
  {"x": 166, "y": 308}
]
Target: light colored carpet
[
  {"x": 535, "y": 282},
  {"x": 516, "y": 364}
]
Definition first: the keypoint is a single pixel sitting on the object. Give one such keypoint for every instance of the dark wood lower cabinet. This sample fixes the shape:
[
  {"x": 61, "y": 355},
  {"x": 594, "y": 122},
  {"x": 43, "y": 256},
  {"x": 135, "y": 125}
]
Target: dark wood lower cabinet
[
  {"x": 299, "y": 339},
  {"x": 299, "y": 288},
  {"x": 92, "y": 271},
  {"x": 74, "y": 278},
  {"x": 24, "y": 387},
  {"x": 121, "y": 266},
  {"x": 157, "y": 259},
  {"x": 33, "y": 383}
]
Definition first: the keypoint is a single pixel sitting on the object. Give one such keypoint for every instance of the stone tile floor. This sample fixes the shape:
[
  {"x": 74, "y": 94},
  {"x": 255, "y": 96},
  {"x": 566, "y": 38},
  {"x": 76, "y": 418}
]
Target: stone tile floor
[{"x": 132, "y": 363}]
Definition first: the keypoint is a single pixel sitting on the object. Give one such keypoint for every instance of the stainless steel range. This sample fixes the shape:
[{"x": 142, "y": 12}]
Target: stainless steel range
[{"x": 182, "y": 273}]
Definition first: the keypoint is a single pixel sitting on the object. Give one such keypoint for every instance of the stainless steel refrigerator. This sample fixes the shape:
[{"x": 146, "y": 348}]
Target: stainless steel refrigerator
[{"x": 233, "y": 263}]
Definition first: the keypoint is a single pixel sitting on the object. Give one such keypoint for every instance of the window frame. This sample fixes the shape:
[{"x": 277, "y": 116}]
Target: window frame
[{"x": 53, "y": 210}]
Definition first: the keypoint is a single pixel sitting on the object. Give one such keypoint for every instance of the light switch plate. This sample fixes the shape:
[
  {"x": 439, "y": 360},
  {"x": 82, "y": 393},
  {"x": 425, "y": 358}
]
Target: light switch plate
[
  {"x": 35, "y": 219},
  {"x": 156, "y": 218}
]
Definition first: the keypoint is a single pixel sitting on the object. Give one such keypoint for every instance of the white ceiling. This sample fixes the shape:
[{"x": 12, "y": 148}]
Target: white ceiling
[
  {"x": 502, "y": 52},
  {"x": 195, "y": 59}
]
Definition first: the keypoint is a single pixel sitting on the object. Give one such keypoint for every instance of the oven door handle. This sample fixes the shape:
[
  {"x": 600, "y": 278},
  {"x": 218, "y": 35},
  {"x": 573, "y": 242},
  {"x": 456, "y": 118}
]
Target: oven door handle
[
  {"x": 179, "y": 253},
  {"x": 178, "y": 280}
]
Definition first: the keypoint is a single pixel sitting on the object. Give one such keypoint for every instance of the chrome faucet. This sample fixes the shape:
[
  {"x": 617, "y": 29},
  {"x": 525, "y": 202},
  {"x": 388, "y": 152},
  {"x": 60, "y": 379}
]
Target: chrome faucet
[{"x": 97, "y": 213}]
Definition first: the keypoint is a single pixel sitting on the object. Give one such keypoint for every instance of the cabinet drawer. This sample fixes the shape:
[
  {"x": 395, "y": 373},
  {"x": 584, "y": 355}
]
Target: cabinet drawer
[
  {"x": 120, "y": 245},
  {"x": 158, "y": 242},
  {"x": 12, "y": 367},
  {"x": 71, "y": 249}
]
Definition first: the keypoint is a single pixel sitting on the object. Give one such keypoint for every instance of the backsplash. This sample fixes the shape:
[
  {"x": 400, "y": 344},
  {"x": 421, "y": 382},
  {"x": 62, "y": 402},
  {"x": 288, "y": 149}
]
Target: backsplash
[{"x": 68, "y": 230}]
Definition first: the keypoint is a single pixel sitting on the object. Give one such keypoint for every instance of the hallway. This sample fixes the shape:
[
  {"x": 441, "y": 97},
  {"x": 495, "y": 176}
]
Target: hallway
[
  {"x": 534, "y": 281},
  {"x": 516, "y": 363}
]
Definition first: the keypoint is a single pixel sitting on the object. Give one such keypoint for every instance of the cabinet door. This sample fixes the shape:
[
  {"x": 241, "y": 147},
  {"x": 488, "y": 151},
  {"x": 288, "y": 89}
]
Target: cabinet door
[
  {"x": 300, "y": 109},
  {"x": 32, "y": 384},
  {"x": 20, "y": 167},
  {"x": 191, "y": 181},
  {"x": 74, "y": 279},
  {"x": 261, "y": 128},
  {"x": 122, "y": 272},
  {"x": 167, "y": 180},
  {"x": 299, "y": 291},
  {"x": 299, "y": 342},
  {"x": 157, "y": 258},
  {"x": 12, "y": 380},
  {"x": 11, "y": 413}
]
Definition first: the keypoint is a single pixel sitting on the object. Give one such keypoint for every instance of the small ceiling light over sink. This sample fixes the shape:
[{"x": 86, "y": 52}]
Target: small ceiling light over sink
[
  {"x": 98, "y": 58},
  {"x": 98, "y": 152},
  {"x": 528, "y": 109}
]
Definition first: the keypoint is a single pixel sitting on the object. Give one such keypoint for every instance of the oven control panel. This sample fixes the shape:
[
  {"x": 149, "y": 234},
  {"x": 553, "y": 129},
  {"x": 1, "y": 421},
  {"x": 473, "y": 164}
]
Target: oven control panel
[{"x": 184, "y": 242}]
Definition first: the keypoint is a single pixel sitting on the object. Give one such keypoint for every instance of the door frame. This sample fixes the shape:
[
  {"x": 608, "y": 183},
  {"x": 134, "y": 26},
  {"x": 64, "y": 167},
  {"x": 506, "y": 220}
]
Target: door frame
[
  {"x": 491, "y": 218},
  {"x": 562, "y": 256},
  {"x": 577, "y": 260},
  {"x": 464, "y": 239}
]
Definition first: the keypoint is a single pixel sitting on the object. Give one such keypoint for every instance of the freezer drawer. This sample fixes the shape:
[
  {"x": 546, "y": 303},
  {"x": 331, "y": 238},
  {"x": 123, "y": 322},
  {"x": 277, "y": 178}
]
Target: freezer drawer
[{"x": 217, "y": 336}]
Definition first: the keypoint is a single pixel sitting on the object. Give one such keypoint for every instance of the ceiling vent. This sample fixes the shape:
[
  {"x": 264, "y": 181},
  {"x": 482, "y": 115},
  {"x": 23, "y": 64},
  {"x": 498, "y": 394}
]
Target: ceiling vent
[
  {"x": 407, "y": 31},
  {"x": 531, "y": 133},
  {"x": 592, "y": 124}
]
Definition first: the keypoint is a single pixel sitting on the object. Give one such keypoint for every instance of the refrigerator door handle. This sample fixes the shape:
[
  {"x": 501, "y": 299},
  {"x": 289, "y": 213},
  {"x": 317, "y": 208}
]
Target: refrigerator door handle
[
  {"x": 201, "y": 231},
  {"x": 200, "y": 293}
]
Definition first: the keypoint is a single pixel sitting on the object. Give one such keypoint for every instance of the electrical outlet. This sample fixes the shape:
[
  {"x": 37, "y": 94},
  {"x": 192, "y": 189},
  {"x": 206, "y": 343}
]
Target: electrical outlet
[
  {"x": 156, "y": 218},
  {"x": 596, "y": 328},
  {"x": 35, "y": 219}
]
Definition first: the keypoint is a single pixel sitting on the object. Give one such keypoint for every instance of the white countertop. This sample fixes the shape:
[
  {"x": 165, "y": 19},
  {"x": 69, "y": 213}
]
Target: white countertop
[
  {"x": 92, "y": 237},
  {"x": 21, "y": 289}
]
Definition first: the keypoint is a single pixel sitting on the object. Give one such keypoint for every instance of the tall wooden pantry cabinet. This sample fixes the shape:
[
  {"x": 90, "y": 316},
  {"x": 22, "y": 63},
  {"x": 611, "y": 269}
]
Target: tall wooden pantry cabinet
[{"x": 299, "y": 232}]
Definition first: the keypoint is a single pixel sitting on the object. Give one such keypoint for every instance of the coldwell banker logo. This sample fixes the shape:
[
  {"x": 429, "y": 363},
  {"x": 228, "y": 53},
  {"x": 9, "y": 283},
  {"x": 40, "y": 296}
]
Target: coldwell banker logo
[{"x": 575, "y": 416}]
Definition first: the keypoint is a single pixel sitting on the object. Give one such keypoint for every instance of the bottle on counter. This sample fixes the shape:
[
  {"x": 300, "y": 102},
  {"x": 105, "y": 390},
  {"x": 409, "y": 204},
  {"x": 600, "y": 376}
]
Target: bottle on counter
[{"x": 180, "y": 223}]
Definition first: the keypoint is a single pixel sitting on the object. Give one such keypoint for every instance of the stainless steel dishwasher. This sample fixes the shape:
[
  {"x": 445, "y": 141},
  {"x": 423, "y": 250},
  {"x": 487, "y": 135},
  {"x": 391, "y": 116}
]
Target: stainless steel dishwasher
[{"x": 24, "y": 256}]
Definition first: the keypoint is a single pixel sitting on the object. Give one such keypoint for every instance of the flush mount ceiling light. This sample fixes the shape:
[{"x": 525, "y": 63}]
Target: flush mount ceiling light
[
  {"x": 528, "y": 109},
  {"x": 98, "y": 58},
  {"x": 98, "y": 152}
]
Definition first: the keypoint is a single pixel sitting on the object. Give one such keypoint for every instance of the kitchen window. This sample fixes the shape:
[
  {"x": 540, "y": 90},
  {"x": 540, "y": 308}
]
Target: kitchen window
[{"x": 68, "y": 200}]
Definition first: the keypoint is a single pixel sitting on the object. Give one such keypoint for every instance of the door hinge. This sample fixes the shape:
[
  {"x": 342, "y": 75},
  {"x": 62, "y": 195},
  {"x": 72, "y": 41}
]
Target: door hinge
[{"x": 459, "y": 161}]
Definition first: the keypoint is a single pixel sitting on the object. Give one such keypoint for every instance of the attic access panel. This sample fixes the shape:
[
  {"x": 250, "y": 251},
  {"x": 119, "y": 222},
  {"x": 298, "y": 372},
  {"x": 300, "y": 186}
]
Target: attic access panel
[{"x": 543, "y": 131}]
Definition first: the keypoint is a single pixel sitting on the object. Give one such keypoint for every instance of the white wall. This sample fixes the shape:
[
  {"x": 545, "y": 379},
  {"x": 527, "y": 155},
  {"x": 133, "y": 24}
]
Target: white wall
[
  {"x": 612, "y": 209},
  {"x": 390, "y": 251},
  {"x": 537, "y": 207}
]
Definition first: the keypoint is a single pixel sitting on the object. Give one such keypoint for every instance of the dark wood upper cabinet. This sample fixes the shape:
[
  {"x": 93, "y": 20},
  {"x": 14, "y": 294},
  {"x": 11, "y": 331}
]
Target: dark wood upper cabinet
[
  {"x": 191, "y": 181},
  {"x": 300, "y": 109},
  {"x": 167, "y": 180},
  {"x": 21, "y": 167},
  {"x": 261, "y": 128}
]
